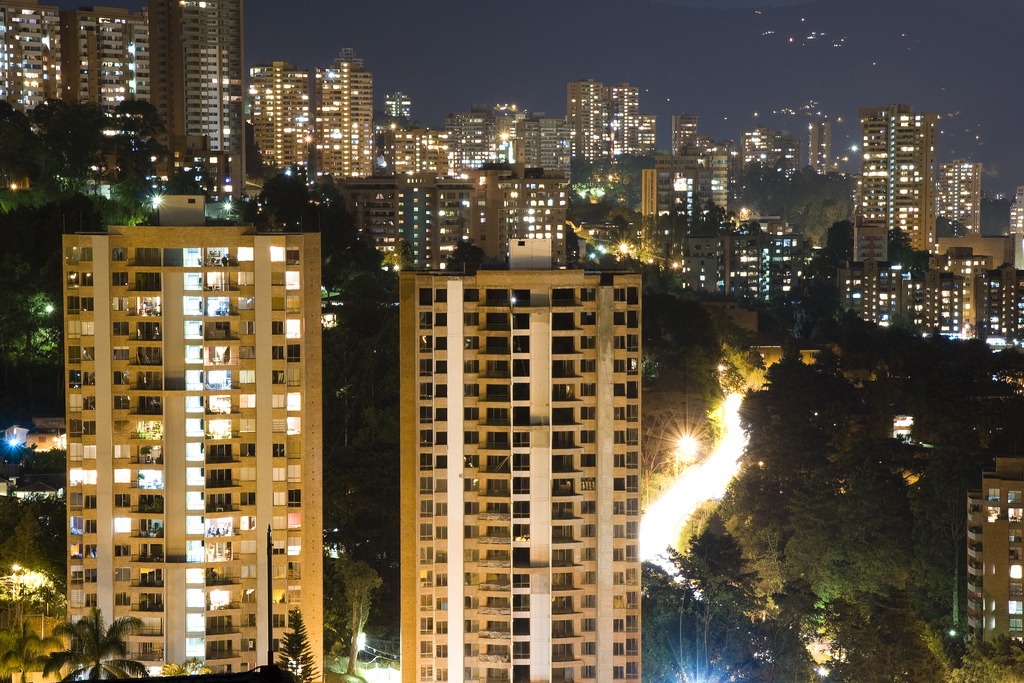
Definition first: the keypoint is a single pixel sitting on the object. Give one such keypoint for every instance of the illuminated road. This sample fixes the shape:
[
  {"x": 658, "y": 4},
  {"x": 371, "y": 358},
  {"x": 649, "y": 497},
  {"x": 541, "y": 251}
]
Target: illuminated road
[{"x": 664, "y": 519}]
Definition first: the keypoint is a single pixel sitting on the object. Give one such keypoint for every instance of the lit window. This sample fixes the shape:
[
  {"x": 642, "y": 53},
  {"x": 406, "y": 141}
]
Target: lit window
[
  {"x": 122, "y": 525},
  {"x": 277, "y": 253},
  {"x": 195, "y": 623},
  {"x": 195, "y": 597},
  {"x": 122, "y": 476}
]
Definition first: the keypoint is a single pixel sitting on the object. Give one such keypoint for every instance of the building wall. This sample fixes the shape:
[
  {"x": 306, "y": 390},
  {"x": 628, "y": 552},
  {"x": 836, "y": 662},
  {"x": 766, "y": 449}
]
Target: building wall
[
  {"x": 193, "y": 403},
  {"x": 520, "y": 512}
]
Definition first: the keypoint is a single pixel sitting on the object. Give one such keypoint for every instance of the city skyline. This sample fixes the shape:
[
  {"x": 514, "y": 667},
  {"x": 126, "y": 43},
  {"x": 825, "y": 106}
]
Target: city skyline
[{"x": 834, "y": 61}]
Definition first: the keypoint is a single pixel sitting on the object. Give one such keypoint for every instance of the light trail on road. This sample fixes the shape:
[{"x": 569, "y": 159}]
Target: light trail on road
[{"x": 663, "y": 521}]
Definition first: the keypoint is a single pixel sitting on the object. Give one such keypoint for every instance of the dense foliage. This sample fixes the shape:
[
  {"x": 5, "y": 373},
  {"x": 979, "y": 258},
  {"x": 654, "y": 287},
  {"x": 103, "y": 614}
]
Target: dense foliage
[{"x": 846, "y": 539}]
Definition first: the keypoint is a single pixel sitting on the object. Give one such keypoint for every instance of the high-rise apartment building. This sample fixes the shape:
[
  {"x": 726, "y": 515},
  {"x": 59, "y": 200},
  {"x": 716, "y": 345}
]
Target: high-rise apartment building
[
  {"x": 279, "y": 99},
  {"x": 416, "y": 151},
  {"x": 897, "y": 183},
  {"x": 196, "y": 74},
  {"x": 193, "y": 407},
  {"x": 1017, "y": 214},
  {"x": 519, "y": 480},
  {"x": 958, "y": 193},
  {"x": 995, "y": 582},
  {"x": 684, "y": 132},
  {"x": 606, "y": 121},
  {"x": 29, "y": 53},
  {"x": 541, "y": 142},
  {"x": 472, "y": 138},
  {"x": 687, "y": 181},
  {"x": 344, "y": 118},
  {"x": 432, "y": 214},
  {"x": 104, "y": 56},
  {"x": 398, "y": 105},
  {"x": 819, "y": 146},
  {"x": 587, "y": 114},
  {"x": 512, "y": 202},
  {"x": 772, "y": 148}
]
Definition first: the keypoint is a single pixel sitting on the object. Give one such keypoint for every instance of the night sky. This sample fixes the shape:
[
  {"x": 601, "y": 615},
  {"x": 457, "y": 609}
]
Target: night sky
[{"x": 726, "y": 60}]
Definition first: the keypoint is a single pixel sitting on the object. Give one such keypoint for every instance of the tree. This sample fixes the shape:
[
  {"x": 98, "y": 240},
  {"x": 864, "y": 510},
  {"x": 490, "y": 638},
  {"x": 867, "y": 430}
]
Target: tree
[
  {"x": 465, "y": 254},
  {"x": 402, "y": 257},
  {"x": 190, "y": 667},
  {"x": 360, "y": 581},
  {"x": 95, "y": 651},
  {"x": 296, "y": 655},
  {"x": 22, "y": 652}
]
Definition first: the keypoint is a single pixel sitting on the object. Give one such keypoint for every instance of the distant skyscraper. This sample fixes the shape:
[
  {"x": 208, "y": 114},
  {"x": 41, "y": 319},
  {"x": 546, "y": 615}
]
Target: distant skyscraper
[
  {"x": 545, "y": 143},
  {"x": 772, "y": 148},
  {"x": 684, "y": 132},
  {"x": 196, "y": 83},
  {"x": 344, "y": 118},
  {"x": 587, "y": 115},
  {"x": 104, "y": 56},
  {"x": 623, "y": 118},
  {"x": 606, "y": 121},
  {"x": 519, "y": 492},
  {"x": 1017, "y": 213},
  {"x": 958, "y": 192},
  {"x": 29, "y": 53},
  {"x": 398, "y": 105},
  {"x": 819, "y": 146},
  {"x": 279, "y": 97},
  {"x": 416, "y": 151},
  {"x": 897, "y": 184},
  {"x": 472, "y": 138}
]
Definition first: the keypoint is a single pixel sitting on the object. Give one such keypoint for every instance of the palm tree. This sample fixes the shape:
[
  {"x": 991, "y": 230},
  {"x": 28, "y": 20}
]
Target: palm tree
[
  {"x": 190, "y": 667},
  {"x": 95, "y": 651},
  {"x": 22, "y": 651}
]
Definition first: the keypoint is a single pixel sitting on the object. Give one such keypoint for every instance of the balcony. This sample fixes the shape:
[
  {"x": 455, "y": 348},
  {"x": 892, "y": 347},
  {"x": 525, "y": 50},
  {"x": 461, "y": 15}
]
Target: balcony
[
  {"x": 221, "y": 629},
  {"x": 222, "y": 607},
  {"x": 221, "y": 507},
  {"x": 213, "y": 655},
  {"x": 148, "y": 558},
  {"x": 147, "y": 584},
  {"x": 148, "y": 607},
  {"x": 148, "y": 656},
  {"x": 221, "y": 483},
  {"x": 148, "y": 533}
]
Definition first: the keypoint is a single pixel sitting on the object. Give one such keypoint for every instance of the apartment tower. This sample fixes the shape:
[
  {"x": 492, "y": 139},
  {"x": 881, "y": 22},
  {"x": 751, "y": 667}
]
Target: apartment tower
[
  {"x": 819, "y": 146},
  {"x": 279, "y": 97},
  {"x": 958, "y": 195},
  {"x": 587, "y": 115},
  {"x": 684, "y": 132},
  {"x": 193, "y": 406},
  {"x": 519, "y": 506},
  {"x": 995, "y": 548},
  {"x": 344, "y": 118},
  {"x": 104, "y": 56},
  {"x": 29, "y": 53},
  {"x": 897, "y": 182},
  {"x": 196, "y": 68}
]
